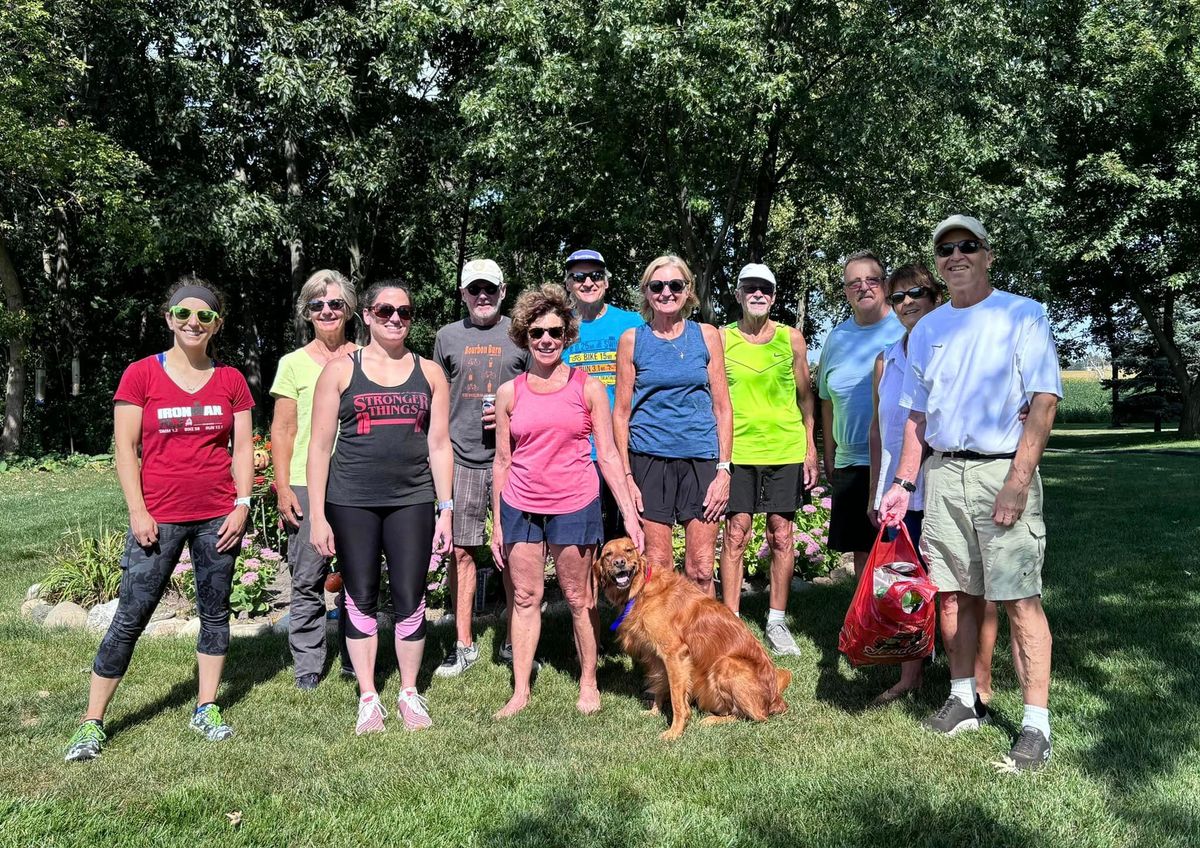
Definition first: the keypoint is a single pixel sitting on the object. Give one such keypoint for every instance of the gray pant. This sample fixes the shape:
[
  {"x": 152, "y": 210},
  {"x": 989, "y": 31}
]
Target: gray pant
[{"x": 306, "y": 634}]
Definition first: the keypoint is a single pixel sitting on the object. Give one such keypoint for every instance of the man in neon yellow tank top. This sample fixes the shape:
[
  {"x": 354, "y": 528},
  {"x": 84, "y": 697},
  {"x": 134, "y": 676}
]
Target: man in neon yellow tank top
[{"x": 774, "y": 456}]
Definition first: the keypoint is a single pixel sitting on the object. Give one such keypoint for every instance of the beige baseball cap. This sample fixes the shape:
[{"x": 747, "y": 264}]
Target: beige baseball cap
[
  {"x": 480, "y": 269},
  {"x": 961, "y": 222}
]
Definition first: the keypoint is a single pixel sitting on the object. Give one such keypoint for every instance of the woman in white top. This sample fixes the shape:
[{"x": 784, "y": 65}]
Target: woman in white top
[{"x": 913, "y": 294}]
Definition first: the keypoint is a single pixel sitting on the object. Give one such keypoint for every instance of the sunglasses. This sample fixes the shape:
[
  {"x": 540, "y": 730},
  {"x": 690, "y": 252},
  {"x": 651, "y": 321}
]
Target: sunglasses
[
  {"x": 204, "y": 316},
  {"x": 676, "y": 286},
  {"x": 966, "y": 246},
  {"x": 869, "y": 282},
  {"x": 766, "y": 288},
  {"x": 475, "y": 288},
  {"x": 580, "y": 276},
  {"x": 915, "y": 293},
  {"x": 536, "y": 333},
  {"x": 334, "y": 303},
  {"x": 385, "y": 311}
]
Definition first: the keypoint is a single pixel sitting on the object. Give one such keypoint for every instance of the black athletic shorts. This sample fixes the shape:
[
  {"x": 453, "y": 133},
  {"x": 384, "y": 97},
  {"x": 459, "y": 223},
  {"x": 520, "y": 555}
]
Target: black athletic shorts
[
  {"x": 758, "y": 489},
  {"x": 672, "y": 490},
  {"x": 849, "y": 527}
]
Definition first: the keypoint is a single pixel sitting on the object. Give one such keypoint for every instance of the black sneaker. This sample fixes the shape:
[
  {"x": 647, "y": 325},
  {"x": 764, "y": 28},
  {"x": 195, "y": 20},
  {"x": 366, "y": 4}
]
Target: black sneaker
[
  {"x": 953, "y": 717},
  {"x": 982, "y": 712},
  {"x": 1031, "y": 751},
  {"x": 348, "y": 671},
  {"x": 506, "y": 653},
  {"x": 307, "y": 682}
]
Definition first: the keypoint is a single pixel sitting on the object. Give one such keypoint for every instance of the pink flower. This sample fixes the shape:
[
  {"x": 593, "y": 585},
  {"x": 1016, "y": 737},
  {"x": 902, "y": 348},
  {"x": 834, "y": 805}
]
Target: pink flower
[
  {"x": 182, "y": 568},
  {"x": 826, "y": 503},
  {"x": 435, "y": 562},
  {"x": 249, "y": 578},
  {"x": 804, "y": 538},
  {"x": 270, "y": 555},
  {"x": 818, "y": 491},
  {"x": 808, "y": 509},
  {"x": 246, "y": 541},
  {"x": 812, "y": 549},
  {"x": 252, "y": 564},
  {"x": 186, "y": 556},
  {"x": 765, "y": 550},
  {"x": 433, "y": 587}
]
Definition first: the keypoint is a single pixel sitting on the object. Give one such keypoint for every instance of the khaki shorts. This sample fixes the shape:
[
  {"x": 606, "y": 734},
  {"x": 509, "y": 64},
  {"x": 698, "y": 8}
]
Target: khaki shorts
[{"x": 966, "y": 550}]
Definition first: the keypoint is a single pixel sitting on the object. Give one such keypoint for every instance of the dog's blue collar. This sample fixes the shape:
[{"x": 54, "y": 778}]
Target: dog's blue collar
[{"x": 624, "y": 613}]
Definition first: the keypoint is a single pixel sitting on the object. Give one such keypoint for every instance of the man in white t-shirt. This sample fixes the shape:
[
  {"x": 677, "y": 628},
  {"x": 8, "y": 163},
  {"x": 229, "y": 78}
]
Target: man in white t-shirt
[{"x": 972, "y": 365}]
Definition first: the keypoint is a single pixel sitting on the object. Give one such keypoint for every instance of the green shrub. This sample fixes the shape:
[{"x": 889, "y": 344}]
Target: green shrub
[
  {"x": 85, "y": 569},
  {"x": 1084, "y": 402}
]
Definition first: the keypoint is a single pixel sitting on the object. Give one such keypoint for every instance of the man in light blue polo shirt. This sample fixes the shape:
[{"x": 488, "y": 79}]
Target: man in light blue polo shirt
[
  {"x": 845, "y": 387},
  {"x": 600, "y": 326}
]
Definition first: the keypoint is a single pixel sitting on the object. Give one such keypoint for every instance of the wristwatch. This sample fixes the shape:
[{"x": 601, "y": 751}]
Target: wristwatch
[
  {"x": 725, "y": 466},
  {"x": 907, "y": 485},
  {"x": 241, "y": 502},
  {"x": 442, "y": 506}
]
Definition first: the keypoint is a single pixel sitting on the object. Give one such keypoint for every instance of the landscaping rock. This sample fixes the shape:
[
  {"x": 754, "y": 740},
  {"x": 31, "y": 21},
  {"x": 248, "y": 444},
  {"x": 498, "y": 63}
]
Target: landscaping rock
[
  {"x": 190, "y": 628},
  {"x": 799, "y": 584},
  {"x": 101, "y": 615},
  {"x": 165, "y": 627},
  {"x": 283, "y": 624},
  {"x": 34, "y": 591},
  {"x": 842, "y": 574},
  {"x": 36, "y": 610},
  {"x": 254, "y": 627},
  {"x": 162, "y": 612},
  {"x": 822, "y": 581},
  {"x": 67, "y": 615}
]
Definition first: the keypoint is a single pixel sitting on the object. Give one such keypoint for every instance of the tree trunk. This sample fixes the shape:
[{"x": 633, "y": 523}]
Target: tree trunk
[
  {"x": 251, "y": 364},
  {"x": 14, "y": 391},
  {"x": 1163, "y": 332},
  {"x": 764, "y": 189},
  {"x": 62, "y": 266},
  {"x": 291, "y": 155}
]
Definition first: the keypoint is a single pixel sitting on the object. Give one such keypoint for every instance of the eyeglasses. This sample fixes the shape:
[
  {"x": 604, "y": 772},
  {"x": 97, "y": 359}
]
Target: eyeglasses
[
  {"x": 204, "y": 316},
  {"x": 868, "y": 282},
  {"x": 334, "y": 303},
  {"x": 475, "y": 288},
  {"x": 676, "y": 286},
  {"x": 580, "y": 276},
  {"x": 385, "y": 311},
  {"x": 536, "y": 333},
  {"x": 758, "y": 286},
  {"x": 966, "y": 246},
  {"x": 915, "y": 293}
]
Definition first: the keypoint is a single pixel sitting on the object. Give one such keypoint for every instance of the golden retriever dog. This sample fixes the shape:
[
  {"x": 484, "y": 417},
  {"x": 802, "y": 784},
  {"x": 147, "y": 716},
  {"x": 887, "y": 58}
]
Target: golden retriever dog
[{"x": 692, "y": 647}]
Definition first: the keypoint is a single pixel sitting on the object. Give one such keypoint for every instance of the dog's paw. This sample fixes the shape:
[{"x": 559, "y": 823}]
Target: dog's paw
[
  {"x": 670, "y": 734},
  {"x": 652, "y": 710},
  {"x": 709, "y": 721}
]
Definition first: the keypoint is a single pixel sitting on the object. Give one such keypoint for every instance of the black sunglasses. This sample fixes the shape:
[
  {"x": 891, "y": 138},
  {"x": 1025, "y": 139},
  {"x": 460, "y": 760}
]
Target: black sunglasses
[
  {"x": 758, "y": 286},
  {"x": 657, "y": 286},
  {"x": 475, "y": 288},
  {"x": 916, "y": 293},
  {"x": 967, "y": 246},
  {"x": 334, "y": 303},
  {"x": 385, "y": 311},
  {"x": 536, "y": 333},
  {"x": 580, "y": 276}
]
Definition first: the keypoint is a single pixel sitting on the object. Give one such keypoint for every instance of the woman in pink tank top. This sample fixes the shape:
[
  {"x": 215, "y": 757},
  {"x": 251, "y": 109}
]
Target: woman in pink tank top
[{"x": 545, "y": 489}]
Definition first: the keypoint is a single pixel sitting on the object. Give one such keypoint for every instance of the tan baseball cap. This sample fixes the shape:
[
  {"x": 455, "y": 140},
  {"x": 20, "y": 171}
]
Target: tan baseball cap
[
  {"x": 480, "y": 269},
  {"x": 961, "y": 222}
]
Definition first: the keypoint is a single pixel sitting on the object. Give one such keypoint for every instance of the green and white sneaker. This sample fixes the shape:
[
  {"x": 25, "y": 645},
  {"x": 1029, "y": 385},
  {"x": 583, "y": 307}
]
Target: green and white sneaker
[
  {"x": 87, "y": 741},
  {"x": 208, "y": 722}
]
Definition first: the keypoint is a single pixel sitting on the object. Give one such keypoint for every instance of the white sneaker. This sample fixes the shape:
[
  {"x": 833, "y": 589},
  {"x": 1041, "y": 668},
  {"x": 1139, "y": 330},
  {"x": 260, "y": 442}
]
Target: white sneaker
[
  {"x": 780, "y": 641},
  {"x": 413, "y": 709},
  {"x": 370, "y": 716}
]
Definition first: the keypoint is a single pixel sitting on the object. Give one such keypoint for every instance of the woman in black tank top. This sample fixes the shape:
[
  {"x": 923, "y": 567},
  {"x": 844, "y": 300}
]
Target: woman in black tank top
[{"x": 392, "y": 462}]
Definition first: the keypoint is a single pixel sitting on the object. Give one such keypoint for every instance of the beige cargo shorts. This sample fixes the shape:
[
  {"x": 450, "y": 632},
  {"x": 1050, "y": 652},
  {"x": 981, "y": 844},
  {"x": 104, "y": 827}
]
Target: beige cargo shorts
[{"x": 966, "y": 550}]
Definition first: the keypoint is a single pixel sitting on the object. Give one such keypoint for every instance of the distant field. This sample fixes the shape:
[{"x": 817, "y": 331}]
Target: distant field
[{"x": 1084, "y": 401}]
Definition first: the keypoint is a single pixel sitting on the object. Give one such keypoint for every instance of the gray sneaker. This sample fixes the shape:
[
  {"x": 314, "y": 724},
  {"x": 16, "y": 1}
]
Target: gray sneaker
[
  {"x": 780, "y": 641},
  {"x": 458, "y": 660},
  {"x": 1031, "y": 751},
  {"x": 209, "y": 723},
  {"x": 953, "y": 717},
  {"x": 86, "y": 743}
]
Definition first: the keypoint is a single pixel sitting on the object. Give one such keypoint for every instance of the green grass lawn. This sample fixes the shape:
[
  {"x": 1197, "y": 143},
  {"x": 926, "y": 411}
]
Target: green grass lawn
[{"x": 1122, "y": 580}]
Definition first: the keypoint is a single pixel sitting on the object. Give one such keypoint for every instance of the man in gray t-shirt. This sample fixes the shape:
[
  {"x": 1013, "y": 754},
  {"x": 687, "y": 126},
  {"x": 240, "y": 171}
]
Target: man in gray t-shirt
[{"x": 477, "y": 356}]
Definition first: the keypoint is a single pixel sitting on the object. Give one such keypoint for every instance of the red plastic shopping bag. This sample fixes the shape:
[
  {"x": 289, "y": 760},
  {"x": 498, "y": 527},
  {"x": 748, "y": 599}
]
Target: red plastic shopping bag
[{"x": 891, "y": 617}]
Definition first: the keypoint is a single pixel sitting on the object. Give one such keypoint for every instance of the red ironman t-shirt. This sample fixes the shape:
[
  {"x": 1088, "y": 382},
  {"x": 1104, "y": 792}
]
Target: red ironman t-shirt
[{"x": 186, "y": 464}]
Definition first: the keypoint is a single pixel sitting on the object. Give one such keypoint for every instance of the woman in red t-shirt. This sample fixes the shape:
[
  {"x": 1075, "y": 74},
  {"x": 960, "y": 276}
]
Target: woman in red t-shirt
[{"x": 180, "y": 408}]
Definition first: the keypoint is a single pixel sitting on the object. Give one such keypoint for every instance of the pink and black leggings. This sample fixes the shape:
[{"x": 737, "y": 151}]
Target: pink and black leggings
[{"x": 404, "y": 535}]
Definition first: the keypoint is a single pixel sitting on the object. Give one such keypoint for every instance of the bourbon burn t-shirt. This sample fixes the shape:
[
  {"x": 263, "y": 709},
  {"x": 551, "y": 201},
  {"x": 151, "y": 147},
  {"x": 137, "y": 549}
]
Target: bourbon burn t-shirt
[{"x": 186, "y": 464}]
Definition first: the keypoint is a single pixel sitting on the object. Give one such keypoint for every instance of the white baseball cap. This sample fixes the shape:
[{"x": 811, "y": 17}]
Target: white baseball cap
[
  {"x": 961, "y": 222},
  {"x": 480, "y": 269},
  {"x": 756, "y": 271}
]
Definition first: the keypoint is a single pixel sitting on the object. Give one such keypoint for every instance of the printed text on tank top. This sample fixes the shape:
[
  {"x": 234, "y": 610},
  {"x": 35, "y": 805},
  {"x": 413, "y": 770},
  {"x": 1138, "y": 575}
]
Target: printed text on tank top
[{"x": 389, "y": 404}]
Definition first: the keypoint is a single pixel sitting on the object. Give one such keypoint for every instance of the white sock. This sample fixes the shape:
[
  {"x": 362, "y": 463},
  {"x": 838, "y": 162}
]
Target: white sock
[
  {"x": 738, "y": 614},
  {"x": 774, "y": 615},
  {"x": 1038, "y": 718},
  {"x": 963, "y": 688}
]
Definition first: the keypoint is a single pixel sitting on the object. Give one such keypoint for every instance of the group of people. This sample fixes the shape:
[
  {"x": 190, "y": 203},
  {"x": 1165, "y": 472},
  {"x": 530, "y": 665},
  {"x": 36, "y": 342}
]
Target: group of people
[{"x": 574, "y": 421}]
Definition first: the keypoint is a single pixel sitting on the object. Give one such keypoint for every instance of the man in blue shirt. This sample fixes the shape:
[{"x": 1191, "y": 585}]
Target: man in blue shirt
[
  {"x": 600, "y": 326},
  {"x": 844, "y": 385}
]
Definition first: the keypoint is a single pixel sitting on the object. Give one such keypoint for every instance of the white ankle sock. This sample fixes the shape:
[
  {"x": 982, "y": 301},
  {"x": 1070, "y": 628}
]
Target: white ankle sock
[
  {"x": 774, "y": 615},
  {"x": 1038, "y": 718},
  {"x": 963, "y": 688}
]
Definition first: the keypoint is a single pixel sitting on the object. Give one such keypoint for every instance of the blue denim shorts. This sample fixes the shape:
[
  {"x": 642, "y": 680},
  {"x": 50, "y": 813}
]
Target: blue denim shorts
[{"x": 583, "y": 527}]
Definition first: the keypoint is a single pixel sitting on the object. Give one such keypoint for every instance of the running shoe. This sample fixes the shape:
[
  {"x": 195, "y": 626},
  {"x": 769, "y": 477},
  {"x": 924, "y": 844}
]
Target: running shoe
[
  {"x": 370, "y": 716},
  {"x": 208, "y": 722},
  {"x": 780, "y": 640},
  {"x": 458, "y": 660},
  {"x": 308, "y": 682},
  {"x": 953, "y": 717},
  {"x": 85, "y": 744},
  {"x": 413, "y": 709},
  {"x": 1031, "y": 751},
  {"x": 506, "y": 657}
]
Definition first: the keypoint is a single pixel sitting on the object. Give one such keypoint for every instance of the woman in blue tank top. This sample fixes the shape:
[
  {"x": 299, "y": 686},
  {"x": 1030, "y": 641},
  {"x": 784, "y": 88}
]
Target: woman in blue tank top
[
  {"x": 390, "y": 410},
  {"x": 672, "y": 420}
]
